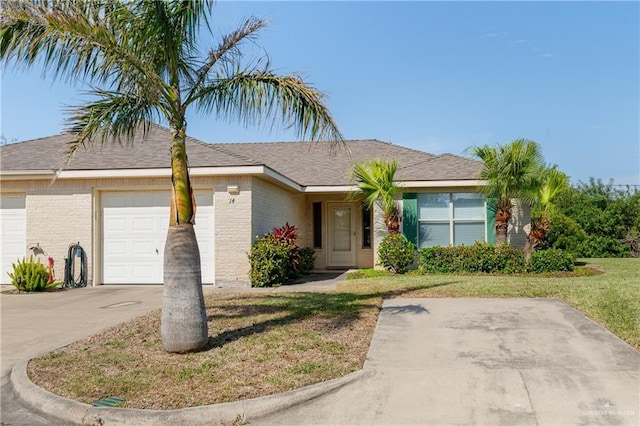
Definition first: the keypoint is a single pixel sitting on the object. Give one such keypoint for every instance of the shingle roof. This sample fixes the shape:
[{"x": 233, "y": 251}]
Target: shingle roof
[
  {"x": 150, "y": 152},
  {"x": 304, "y": 163}
]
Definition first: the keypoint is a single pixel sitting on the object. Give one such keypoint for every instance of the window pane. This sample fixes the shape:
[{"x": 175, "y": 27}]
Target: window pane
[
  {"x": 433, "y": 206},
  {"x": 434, "y": 234},
  {"x": 317, "y": 225},
  {"x": 468, "y": 233},
  {"x": 468, "y": 206},
  {"x": 366, "y": 227},
  {"x": 341, "y": 229}
]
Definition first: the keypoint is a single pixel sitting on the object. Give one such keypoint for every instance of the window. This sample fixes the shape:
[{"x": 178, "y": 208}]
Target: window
[
  {"x": 317, "y": 225},
  {"x": 366, "y": 227},
  {"x": 451, "y": 219}
]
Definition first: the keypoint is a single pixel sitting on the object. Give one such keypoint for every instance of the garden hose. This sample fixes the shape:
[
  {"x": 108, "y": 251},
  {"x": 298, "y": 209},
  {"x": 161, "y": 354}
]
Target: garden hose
[{"x": 70, "y": 277}]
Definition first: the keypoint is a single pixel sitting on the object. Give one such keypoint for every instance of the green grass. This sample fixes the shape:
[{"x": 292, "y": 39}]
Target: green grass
[{"x": 262, "y": 344}]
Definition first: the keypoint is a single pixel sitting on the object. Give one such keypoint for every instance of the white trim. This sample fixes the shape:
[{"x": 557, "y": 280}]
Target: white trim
[
  {"x": 336, "y": 188},
  {"x": 158, "y": 172},
  {"x": 223, "y": 171},
  {"x": 441, "y": 183}
]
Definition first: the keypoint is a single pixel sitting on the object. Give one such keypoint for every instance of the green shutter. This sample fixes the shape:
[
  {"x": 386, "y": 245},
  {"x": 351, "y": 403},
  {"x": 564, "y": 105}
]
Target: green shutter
[
  {"x": 410, "y": 216},
  {"x": 491, "y": 221}
]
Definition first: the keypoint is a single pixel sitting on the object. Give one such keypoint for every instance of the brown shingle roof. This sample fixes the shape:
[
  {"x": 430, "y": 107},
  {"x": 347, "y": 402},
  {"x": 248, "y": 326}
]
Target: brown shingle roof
[
  {"x": 149, "y": 153},
  {"x": 306, "y": 164}
]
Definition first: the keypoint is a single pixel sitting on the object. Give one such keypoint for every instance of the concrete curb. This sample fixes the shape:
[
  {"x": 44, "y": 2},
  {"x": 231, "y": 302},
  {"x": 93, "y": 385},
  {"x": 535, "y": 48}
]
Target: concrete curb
[{"x": 69, "y": 411}]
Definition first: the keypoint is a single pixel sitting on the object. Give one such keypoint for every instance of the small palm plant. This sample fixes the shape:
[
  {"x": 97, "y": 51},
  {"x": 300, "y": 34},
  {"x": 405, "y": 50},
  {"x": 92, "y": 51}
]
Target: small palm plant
[
  {"x": 510, "y": 172},
  {"x": 551, "y": 183},
  {"x": 375, "y": 180}
]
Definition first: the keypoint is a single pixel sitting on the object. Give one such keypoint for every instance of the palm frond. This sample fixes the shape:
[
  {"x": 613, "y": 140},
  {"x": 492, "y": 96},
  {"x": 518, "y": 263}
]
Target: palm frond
[
  {"x": 113, "y": 116},
  {"x": 375, "y": 180},
  {"x": 510, "y": 170},
  {"x": 260, "y": 96},
  {"x": 229, "y": 48}
]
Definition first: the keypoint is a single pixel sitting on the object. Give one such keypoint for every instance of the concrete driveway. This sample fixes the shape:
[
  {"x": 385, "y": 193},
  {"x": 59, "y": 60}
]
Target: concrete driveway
[
  {"x": 431, "y": 361},
  {"x": 484, "y": 362}
]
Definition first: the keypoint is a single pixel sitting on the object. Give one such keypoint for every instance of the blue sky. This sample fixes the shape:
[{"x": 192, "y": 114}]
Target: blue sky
[{"x": 434, "y": 76}]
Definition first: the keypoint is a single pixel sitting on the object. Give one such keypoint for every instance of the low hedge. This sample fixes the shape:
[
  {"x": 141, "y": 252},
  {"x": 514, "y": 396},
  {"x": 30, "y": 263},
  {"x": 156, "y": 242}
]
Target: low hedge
[
  {"x": 396, "y": 253},
  {"x": 492, "y": 259},
  {"x": 551, "y": 260}
]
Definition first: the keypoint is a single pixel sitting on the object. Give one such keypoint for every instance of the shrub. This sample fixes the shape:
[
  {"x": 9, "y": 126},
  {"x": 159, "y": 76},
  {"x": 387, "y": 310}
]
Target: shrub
[
  {"x": 396, "y": 253},
  {"x": 480, "y": 257},
  {"x": 276, "y": 258},
  {"x": 603, "y": 246},
  {"x": 269, "y": 258},
  {"x": 552, "y": 260},
  {"x": 565, "y": 234},
  {"x": 31, "y": 275},
  {"x": 306, "y": 261}
]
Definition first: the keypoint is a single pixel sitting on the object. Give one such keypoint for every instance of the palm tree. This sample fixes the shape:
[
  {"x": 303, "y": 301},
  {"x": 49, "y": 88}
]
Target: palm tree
[
  {"x": 143, "y": 65},
  {"x": 550, "y": 183},
  {"x": 375, "y": 180},
  {"x": 510, "y": 173}
]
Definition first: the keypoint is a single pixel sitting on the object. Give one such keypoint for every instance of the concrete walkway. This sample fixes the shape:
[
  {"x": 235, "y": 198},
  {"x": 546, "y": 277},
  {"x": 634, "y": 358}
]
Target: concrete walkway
[{"x": 431, "y": 361}]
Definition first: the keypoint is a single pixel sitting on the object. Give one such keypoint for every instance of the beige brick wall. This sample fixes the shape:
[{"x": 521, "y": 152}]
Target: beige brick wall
[
  {"x": 56, "y": 220},
  {"x": 232, "y": 224},
  {"x": 273, "y": 206}
]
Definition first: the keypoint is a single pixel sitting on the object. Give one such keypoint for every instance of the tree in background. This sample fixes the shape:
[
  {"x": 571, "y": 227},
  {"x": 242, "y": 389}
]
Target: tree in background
[
  {"x": 510, "y": 173},
  {"x": 597, "y": 220},
  {"x": 143, "y": 64},
  {"x": 375, "y": 180}
]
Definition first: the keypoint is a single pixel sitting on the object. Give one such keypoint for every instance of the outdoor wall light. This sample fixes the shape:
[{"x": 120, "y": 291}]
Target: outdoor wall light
[{"x": 233, "y": 189}]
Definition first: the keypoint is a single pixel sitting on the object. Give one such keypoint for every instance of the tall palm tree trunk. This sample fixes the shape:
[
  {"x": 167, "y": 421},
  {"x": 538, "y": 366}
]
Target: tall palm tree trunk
[
  {"x": 184, "y": 319},
  {"x": 503, "y": 215},
  {"x": 392, "y": 223}
]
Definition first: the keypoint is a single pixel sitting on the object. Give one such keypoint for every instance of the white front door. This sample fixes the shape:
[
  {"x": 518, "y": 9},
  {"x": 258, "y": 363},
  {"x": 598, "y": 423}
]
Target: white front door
[
  {"x": 134, "y": 230},
  {"x": 13, "y": 231},
  {"x": 342, "y": 235}
]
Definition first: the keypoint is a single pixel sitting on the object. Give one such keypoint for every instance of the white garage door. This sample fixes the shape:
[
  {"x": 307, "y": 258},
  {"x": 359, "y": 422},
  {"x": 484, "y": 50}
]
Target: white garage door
[
  {"x": 134, "y": 229},
  {"x": 13, "y": 232}
]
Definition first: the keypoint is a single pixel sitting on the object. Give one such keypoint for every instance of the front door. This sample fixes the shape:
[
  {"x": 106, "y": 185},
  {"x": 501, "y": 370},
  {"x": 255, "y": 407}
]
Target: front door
[{"x": 342, "y": 235}]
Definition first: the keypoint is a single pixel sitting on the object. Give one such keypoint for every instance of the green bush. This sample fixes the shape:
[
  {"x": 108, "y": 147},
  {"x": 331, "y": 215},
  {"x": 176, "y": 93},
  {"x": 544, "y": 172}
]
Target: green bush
[
  {"x": 552, "y": 260},
  {"x": 306, "y": 260},
  {"x": 480, "y": 257},
  {"x": 599, "y": 220},
  {"x": 396, "y": 253},
  {"x": 602, "y": 246},
  {"x": 31, "y": 275},
  {"x": 565, "y": 234},
  {"x": 276, "y": 258},
  {"x": 269, "y": 259}
]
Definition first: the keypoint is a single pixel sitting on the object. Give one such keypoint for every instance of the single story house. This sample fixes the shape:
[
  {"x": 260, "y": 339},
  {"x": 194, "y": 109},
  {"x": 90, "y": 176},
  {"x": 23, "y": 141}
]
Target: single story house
[{"x": 114, "y": 201}]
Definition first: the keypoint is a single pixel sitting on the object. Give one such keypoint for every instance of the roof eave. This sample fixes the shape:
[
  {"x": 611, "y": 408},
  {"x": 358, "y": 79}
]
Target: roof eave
[{"x": 157, "y": 172}]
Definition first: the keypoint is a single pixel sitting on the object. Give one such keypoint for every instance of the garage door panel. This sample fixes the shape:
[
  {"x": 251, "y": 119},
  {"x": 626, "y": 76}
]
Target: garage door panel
[
  {"x": 134, "y": 232},
  {"x": 144, "y": 248},
  {"x": 13, "y": 229},
  {"x": 144, "y": 224}
]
